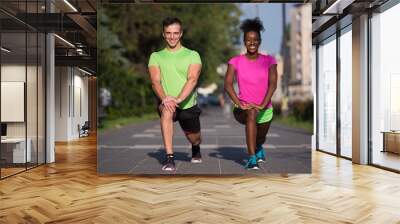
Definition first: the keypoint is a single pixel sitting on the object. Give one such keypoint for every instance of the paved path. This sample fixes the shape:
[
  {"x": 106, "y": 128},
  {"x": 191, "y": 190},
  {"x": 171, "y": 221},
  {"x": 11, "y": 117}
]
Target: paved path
[{"x": 138, "y": 149}]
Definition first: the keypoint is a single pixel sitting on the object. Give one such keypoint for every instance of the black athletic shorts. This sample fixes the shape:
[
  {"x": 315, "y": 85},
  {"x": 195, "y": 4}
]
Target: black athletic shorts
[{"x": 189, "y": 119}]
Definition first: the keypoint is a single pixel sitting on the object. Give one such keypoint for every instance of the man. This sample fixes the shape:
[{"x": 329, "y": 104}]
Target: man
[{"x": 174, "y": 72}]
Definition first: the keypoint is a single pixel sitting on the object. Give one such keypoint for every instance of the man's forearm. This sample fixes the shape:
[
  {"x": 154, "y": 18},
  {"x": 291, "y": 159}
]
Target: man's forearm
[
  {"x": 157, "y": 88},
  {"x": 186, "y": 90}
]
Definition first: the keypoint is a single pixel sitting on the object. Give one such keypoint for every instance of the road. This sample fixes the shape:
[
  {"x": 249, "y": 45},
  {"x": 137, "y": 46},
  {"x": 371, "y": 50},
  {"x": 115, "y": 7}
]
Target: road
[{"x": 138, "y": 149}]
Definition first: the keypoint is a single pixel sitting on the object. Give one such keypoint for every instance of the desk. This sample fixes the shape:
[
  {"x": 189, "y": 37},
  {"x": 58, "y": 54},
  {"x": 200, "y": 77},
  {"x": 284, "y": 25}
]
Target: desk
[
  {"x": 17, "y": 147},
  {"x": 391, "y": 141}
]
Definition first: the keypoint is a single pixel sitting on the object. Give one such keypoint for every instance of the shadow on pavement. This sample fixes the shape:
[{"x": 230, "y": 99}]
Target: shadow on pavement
[
  {"x": 235, "y": 154},
  {"x": 160, "y": 156}
]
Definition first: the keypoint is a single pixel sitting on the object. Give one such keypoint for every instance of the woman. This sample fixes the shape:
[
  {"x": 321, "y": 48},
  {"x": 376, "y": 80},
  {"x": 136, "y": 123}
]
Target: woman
[{"x": 256, "y": 75}]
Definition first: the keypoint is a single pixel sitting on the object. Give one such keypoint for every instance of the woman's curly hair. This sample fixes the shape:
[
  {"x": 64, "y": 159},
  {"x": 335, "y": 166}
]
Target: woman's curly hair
[{"x": 252, "y": 25}]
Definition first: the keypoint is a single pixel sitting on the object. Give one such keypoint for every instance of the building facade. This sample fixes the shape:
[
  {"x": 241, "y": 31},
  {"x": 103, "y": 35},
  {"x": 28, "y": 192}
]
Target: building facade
[{"x": 299, "y": 85}]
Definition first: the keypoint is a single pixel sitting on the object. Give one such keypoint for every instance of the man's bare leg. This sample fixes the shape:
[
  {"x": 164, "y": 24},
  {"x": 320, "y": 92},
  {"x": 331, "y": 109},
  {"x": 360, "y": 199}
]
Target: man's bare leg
[{"x": 167, "y": 128}]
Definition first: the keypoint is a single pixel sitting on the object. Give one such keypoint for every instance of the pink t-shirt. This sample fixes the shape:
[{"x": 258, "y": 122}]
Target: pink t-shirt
[{"x": 252, "y": 77}]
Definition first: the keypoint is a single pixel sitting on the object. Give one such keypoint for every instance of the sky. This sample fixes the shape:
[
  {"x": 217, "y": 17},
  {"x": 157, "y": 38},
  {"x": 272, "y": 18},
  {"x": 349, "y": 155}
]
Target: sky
[{"x": 271, "y": 16}]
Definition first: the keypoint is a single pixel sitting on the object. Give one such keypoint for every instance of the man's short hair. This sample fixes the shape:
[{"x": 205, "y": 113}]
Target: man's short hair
[{"x": 171, "y": 20}]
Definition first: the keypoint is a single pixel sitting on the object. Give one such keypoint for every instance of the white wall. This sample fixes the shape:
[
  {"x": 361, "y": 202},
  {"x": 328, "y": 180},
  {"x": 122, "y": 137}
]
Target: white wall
[
  {"x": 12, "y": 73},
  {"x": 62, "y": 80},
  {"x": 33, "y": 126},
  {"x": 71, "y": 94},
  {"x": 81, "y": 103}
]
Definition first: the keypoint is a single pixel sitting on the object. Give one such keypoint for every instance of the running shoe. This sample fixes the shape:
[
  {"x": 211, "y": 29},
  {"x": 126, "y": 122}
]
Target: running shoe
[
  {"x": 260, "y": 155},
  {"x": 252, "y": 163},
  {"x": 196, "y": 156},
  {"x": 169, "y": 163}
]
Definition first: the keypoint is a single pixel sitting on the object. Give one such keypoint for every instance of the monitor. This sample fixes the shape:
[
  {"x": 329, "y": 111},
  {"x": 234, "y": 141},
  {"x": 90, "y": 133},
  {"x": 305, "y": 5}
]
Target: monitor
[{"x": 3, "y": 129}]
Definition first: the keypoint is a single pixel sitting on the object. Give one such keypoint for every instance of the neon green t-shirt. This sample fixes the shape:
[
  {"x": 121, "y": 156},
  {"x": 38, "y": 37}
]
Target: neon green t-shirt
[{"x": 174, "y": 68}]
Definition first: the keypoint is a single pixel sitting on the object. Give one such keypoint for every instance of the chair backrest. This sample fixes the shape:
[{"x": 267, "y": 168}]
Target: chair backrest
[{"x": 86, "y": 125}]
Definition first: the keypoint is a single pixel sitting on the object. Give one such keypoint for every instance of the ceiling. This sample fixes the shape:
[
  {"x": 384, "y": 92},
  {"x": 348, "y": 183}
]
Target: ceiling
[
  {"x": 329, "y": 14},
  {"x": 74, "y": 22}
]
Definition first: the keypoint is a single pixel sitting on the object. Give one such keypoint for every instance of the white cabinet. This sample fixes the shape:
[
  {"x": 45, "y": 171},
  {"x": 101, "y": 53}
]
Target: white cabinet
[{"x": 18, "y": 149}]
